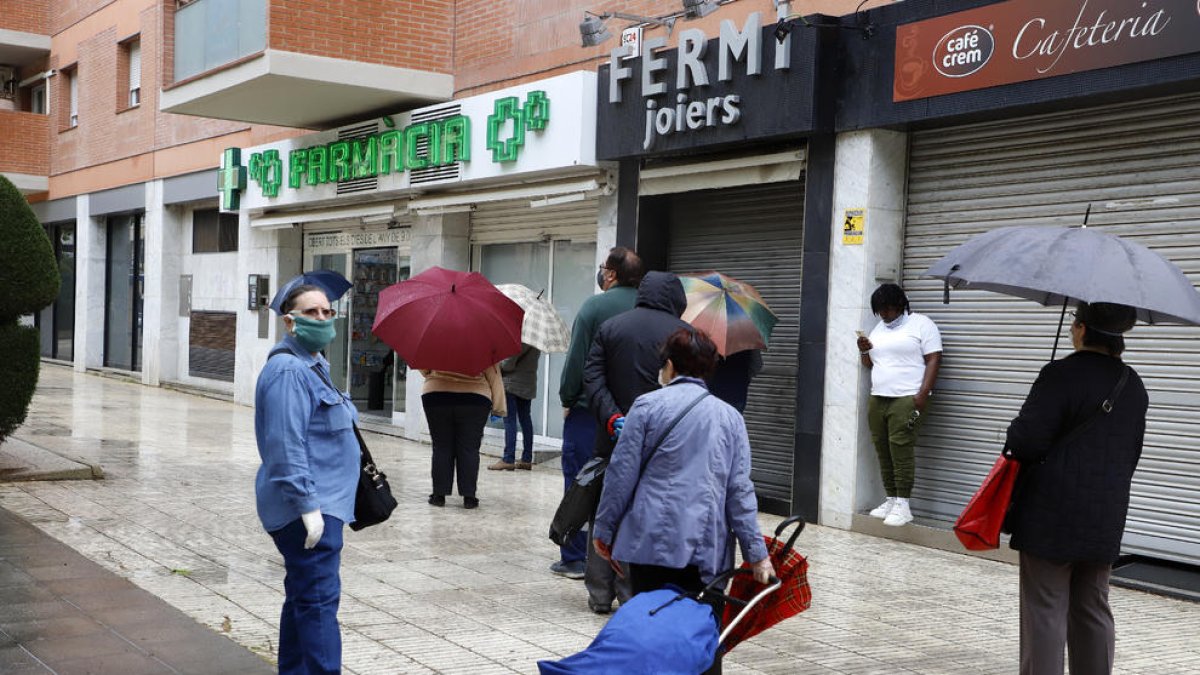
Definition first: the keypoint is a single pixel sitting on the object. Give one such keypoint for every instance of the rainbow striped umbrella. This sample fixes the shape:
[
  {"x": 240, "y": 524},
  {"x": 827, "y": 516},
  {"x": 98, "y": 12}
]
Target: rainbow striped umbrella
[{"x": 730, "y": 311}]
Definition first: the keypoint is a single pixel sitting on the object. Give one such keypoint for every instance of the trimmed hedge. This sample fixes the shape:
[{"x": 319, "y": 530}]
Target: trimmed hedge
[
  {"x": 21, "y": 346},
  {"x": 28, "y": 271},
  {"x": 29, "y": 280}
]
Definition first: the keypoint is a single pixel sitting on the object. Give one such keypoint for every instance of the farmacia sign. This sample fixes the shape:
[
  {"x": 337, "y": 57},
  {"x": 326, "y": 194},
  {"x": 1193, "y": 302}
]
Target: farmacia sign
[{"x": 416, "y": 146}]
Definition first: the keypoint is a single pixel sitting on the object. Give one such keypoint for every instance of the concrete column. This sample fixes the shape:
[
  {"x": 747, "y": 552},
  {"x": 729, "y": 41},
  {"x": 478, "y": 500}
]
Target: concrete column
[
  {"x": 442, "y": 240},
  {"x": 276, "y": 253},
  {"x": 90, "y": 237},
  {"x": 869, "y": 173},
  {"x": 160, "y": 327}
]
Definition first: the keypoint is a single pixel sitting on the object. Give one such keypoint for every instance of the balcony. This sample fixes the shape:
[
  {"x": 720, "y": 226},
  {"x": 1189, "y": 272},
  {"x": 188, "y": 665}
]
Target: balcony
[
  {"x": 260, "y": 61},
  {"x": 25, "y": 160},
  {"x": 20, "y": 50}
]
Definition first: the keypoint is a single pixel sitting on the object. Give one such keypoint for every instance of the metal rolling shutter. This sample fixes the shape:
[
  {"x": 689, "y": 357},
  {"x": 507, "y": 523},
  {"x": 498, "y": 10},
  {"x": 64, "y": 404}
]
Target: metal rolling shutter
[
  {"x": 515, "y": 221},
  {"x": 754, "y": 233},
  {"x": 1138, "y": 165}
]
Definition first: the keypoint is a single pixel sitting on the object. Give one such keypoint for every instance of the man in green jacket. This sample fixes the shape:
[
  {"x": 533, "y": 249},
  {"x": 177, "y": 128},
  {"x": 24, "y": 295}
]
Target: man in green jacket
[{"x": 618, "y": 277}]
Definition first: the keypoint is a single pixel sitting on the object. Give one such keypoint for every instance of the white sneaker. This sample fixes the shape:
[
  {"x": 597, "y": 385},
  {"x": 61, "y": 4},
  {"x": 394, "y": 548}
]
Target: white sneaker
[
  {"x": 883, "y": 509},
  {"x": 900, "y": 514}
]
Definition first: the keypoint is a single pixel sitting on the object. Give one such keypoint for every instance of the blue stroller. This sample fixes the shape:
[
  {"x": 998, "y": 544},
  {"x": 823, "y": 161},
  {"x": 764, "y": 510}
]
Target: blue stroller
[{"x": 661, "y": 632}]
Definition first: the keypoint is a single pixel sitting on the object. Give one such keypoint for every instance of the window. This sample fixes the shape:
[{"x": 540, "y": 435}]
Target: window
[
  {"x": 72, "y": 98},
  {"x": 134, "y": 51},
  {"x": 37, "y": 100},
  {"x": 214, "y": 232}
]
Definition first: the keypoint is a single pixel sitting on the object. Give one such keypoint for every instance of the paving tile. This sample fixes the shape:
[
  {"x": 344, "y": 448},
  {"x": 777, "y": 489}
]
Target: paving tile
[
  {"x": 15, "y": 660},
  {"x": 454, "y": 591}
]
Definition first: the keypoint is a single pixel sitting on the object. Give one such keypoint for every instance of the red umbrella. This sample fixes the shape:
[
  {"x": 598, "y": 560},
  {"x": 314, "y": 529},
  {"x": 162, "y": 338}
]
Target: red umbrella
[
  {"x": 448, "y": 320},
  {"x": 793, "y": 597}
]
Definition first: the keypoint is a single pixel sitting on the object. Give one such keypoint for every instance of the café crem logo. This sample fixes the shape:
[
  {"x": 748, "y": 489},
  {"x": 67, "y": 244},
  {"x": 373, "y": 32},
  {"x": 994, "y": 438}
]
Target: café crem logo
[{"x": 964, "y": 51}]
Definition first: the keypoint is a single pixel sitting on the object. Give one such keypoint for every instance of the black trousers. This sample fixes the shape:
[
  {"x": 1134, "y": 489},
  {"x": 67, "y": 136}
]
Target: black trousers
[
  {"x": 653, "y": 577},
  {"x": 456, "y": 429}
]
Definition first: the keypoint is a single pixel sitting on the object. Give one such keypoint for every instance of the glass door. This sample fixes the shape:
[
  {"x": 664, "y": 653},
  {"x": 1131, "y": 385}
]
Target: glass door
[
  {"x": 337, "y": 352},
  {"x": 56, "y": 322},
  {"x": 374, "y": 383},
  {"x": 123, "y": 293}
]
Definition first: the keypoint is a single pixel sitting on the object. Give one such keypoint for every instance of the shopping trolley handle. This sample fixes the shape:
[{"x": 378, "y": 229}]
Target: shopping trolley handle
[
  {"x": 773, "y": 584},
  {"x": 779, "y": 529}
]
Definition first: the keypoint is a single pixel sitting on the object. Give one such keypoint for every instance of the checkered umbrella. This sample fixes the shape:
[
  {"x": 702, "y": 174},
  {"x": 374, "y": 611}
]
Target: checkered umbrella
[{"x": 543, "y": 327}]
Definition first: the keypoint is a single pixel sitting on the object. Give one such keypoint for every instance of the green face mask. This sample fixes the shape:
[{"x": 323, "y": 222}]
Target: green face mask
[{"x": 313, "y": 335}]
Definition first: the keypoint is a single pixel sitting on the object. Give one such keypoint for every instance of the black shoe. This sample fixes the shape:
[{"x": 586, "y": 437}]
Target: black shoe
[
  {"x": 437, "y": 500},
  {"x": 470, "y": 503},
  {"x": 599, "y": 608}
]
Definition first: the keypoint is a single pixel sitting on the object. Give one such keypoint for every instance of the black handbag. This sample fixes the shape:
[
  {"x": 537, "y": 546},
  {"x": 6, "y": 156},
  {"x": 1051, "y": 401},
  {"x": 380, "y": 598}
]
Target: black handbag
[
  {"x": 373, "y": 500},
  {"x": 579, "y": 503}
]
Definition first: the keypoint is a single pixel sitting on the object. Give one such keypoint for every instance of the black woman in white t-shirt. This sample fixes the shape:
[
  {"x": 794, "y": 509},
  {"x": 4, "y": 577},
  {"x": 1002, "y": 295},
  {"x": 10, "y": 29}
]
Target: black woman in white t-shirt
[{"x": 903, "y": 352}]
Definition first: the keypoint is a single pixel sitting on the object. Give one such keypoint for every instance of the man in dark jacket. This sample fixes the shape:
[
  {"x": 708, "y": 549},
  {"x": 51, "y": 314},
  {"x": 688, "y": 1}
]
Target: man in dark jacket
[
  {"x": 1072, "y": 494},
  {"x": 618, "y": 277},
  {"x": 623, "y": 364}
]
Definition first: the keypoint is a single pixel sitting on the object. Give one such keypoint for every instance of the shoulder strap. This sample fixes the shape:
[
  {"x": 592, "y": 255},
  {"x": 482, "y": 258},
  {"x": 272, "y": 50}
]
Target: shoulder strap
[
  {"x": 1105, "y": 408},
  {"x": 670, "y": 427},
  {"x": 316, "y": 368}
]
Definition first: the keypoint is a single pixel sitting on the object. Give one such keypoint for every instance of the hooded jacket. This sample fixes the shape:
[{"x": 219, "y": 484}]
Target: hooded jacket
[{"x": 626, "y": 355}]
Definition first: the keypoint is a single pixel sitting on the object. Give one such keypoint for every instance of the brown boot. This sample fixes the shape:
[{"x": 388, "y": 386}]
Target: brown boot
[
  {"x": 525, "y": 466},
  {"x": 502, "y": 466}
]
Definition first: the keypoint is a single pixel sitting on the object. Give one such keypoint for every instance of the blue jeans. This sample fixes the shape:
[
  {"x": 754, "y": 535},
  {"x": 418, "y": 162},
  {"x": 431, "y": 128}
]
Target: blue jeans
[
  {"x": 309, "y": 639},
  {"x": 579, "y": 441},
  {"x": 518, "y": 411}
]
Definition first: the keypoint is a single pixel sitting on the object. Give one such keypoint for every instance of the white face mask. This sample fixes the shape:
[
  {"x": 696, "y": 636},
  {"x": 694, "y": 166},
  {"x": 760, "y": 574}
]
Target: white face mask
[{"x": 895, "y": 323}]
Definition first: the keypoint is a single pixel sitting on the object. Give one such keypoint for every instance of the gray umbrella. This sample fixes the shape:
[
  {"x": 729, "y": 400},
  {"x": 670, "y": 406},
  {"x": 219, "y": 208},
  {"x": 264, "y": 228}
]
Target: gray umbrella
[{"x": 1054, "y": 265}]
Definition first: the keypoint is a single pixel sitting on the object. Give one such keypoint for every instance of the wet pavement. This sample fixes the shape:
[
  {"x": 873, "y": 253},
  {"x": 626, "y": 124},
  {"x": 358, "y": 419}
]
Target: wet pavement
[
  {"x": 64, "y": 614},
  {"x": 447, "y": 590}
]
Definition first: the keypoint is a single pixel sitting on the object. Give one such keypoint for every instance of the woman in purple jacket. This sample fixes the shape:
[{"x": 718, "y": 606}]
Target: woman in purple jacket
[{"x": 672, "y": 524}]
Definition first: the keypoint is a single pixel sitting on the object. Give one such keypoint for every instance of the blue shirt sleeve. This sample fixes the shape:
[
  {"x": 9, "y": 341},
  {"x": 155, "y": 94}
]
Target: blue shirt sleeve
[{"x": 284, "y": 439}]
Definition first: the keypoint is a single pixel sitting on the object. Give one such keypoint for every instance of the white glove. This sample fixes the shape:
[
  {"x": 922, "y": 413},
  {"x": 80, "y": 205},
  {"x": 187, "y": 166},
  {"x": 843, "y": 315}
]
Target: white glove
[{"x": 315, "y": 524}]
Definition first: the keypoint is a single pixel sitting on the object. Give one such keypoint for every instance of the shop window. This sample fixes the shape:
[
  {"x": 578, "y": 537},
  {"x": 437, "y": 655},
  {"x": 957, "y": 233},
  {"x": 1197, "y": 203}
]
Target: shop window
[
  {"x": 214, "y": 232},
  {"x": 565, "y": 271}
]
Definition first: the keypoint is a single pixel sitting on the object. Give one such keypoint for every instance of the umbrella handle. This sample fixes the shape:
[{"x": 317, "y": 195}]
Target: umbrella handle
[
  {"x": 1061, "y": 317},
  {"x": 946, "y": 285}
]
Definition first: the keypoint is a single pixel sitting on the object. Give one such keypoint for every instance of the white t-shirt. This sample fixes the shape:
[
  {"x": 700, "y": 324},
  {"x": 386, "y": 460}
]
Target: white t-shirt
[{"x": 898, "y": 354}]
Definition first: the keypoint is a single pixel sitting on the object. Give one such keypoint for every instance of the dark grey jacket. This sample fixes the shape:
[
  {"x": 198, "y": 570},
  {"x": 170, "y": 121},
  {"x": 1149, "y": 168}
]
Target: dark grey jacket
[
  {"x": 624, "y": 360},
  {"x": 520, "y": 372},
  {"x": 1070, "y": 501}
]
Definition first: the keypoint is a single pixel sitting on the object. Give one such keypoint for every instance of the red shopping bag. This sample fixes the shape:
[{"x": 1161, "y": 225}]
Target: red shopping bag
[{"x": 978, "y": 528}]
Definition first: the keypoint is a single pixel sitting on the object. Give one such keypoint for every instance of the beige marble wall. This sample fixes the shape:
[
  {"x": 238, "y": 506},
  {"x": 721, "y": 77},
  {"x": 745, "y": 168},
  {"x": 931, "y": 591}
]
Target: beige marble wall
[
  {"x": 273, "y": 252},
  {"x": 869, "y": 173}
]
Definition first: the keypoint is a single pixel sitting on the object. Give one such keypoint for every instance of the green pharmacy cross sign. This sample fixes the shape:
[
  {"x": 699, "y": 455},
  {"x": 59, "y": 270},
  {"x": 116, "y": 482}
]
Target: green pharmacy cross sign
[
  {"x": 534, "y": 115},
  {"x": 421, "y": 145},
  {"x": 231, "y": 179}
]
